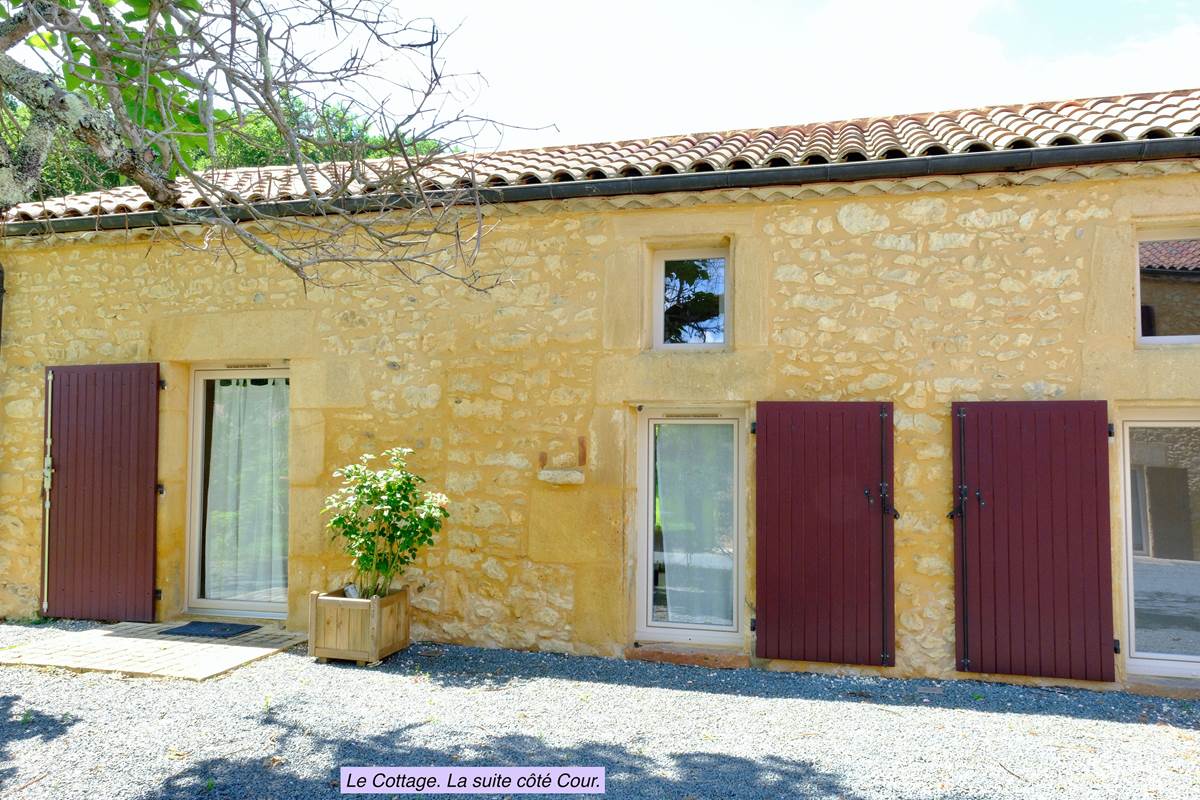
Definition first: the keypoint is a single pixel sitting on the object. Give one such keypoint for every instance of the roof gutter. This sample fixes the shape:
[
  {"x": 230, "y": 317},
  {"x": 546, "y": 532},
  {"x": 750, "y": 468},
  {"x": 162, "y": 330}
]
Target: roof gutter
[
  {"x": 1165, "y": 272},
  {"x": 1182, "y": 147}
]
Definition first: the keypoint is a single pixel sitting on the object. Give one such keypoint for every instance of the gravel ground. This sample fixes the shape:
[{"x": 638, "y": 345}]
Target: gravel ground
[{"x": 280, "y": 727}]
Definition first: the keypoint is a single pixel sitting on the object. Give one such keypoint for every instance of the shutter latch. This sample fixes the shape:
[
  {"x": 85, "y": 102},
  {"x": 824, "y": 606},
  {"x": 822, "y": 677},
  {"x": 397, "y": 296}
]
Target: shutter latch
[
  {"x": 885, "y": 499},
  {"x": 47, "y": 473},
  {"x": 957, "y": 511}
]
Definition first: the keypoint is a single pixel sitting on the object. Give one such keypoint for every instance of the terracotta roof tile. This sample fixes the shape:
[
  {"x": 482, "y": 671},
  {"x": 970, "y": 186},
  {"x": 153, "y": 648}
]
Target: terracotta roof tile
[
  {"x": 1181, "y": 255},
  {"x": 1048, "y": 124}
]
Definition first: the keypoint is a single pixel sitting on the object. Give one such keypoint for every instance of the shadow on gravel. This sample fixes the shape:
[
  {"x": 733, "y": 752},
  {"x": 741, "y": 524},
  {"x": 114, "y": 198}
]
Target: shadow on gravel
[
  {"x": 471, "y": 667},
  {"x": 17, "y": 724},
  {"x": 629, "y": 774}
]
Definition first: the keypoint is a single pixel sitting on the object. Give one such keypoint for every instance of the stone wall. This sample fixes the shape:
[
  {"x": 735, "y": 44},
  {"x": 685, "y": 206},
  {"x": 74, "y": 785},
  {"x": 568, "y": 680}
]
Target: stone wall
[{"x": 919, "y": 298}]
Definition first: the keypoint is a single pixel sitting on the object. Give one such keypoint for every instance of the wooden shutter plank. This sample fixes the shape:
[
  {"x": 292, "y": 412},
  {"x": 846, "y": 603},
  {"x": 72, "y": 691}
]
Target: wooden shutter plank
[
  {"x": 883, "y": 609},
  {"x": 997, "y": 506},
  {"x": 974, "y": 560},
  {"x": 801, "y": 615},
  {"x": 1015, "y": 524},
  {"x": 1089, "y": 559},
  {"x": 861, "y": 561},
  {"x": 785, "y": 584},
  {"x": 1064, "y": 515},
  {"x": 820, "y": 535},
  {"x": 1103, "y": 546},
  {"x": 1045, "y": 546},
  {"x": 1073, "y": 508},
  {"x": 1027, "y": 500},
  {"x": 841, "y": 485},
  {"x": 985, "y": 504}
]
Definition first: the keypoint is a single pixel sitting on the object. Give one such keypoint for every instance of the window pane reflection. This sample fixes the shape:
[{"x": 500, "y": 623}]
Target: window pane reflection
[
  {"x": 1165, "y": 528},
  {"x": 694, "y": 301},
  {"x": 1170, "y": 287}
]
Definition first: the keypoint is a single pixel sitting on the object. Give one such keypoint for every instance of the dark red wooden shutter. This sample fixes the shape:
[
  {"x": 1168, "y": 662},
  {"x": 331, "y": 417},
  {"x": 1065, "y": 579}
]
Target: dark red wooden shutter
[
  {"x": 103, "y": 430},
  {"x": 824, "y": 532},
  {"x": 1033, "y": 570}
]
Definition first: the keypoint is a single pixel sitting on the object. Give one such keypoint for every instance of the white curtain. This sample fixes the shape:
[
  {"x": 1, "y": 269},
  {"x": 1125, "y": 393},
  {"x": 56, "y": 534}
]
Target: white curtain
[
  {"x": 694, "y": 485},
  {"x": 246, "y": 513}
]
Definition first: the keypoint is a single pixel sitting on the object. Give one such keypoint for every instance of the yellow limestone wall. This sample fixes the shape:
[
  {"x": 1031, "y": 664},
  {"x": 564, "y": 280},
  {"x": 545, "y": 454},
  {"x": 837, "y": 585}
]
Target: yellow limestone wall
[{"x": 919, "y": 298}]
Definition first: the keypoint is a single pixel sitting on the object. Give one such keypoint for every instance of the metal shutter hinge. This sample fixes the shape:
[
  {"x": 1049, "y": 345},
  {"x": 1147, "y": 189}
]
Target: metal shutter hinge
[
  {"x": 754, "y": 427},
  {"x": 158, "y": 487},
  {"x": 158, "y": 594},
  {"x": 1116, "y": 645},
  {"x": 753, "y": 624},
  {"x": 162, "y": 384},
  {"x": 1112, "y": 430}
]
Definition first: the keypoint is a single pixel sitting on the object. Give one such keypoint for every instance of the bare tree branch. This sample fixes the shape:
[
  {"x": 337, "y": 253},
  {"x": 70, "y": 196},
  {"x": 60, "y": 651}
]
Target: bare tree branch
[{"x": 332, "y": 99}]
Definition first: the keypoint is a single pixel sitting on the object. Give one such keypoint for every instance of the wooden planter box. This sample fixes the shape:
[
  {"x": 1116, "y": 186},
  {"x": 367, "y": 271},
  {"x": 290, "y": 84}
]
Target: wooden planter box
[{"x": 357, "y": 629}]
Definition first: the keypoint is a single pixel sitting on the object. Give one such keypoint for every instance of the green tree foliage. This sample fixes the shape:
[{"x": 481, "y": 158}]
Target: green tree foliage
[{"x": 333, "y": 135}]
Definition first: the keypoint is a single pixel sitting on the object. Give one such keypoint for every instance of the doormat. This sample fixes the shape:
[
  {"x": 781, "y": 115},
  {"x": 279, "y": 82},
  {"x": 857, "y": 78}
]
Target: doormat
[{"x": 209, "y": 630}]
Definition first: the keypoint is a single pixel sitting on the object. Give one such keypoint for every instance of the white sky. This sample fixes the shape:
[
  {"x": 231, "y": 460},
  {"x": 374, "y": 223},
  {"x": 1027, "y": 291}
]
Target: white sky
[{"x": 601, "y": 71}]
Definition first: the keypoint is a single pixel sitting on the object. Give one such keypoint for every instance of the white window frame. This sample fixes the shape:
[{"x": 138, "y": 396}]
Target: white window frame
[
  {"x": 195, "y": 502},
  {"x": 658, "y": 305},
  {"x": 646, "y": 629},
  {"x": 1159, "y": 235},
  {"x": 1151, "y": 665}
]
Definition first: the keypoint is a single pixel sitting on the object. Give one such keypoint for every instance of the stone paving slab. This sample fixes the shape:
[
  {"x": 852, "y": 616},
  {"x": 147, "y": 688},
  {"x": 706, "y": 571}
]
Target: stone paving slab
[{"x": 136, "y": 648}]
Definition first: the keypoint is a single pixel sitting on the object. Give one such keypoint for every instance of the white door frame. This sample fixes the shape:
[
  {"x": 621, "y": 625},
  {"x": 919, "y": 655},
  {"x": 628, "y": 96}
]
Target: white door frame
[
  {"x": 646, "y": 630},
  {"x": 195, "y": 502},
  {"x": 1158, "y": 665}
]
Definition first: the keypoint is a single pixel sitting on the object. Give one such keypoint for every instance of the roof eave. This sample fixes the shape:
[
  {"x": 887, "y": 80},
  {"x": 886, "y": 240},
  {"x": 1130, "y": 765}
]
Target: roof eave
[{"x": 1020, "y": 160}]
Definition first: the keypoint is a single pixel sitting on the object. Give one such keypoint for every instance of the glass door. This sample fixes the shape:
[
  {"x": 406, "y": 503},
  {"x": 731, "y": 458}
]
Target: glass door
[
  {"x": 239, "y": 491},
  {"x": 691, "y": 544},
  {"x": 1163, "y": 480}
]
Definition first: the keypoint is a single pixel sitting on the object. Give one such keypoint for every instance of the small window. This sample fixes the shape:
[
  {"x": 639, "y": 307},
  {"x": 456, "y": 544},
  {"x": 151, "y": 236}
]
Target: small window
[
  {"x": 1169, "y": 287},
  {"x": 691, "y": 293}
]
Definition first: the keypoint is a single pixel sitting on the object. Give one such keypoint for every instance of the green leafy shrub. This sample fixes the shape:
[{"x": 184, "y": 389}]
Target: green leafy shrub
[{"x": 383, "y": 519}]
